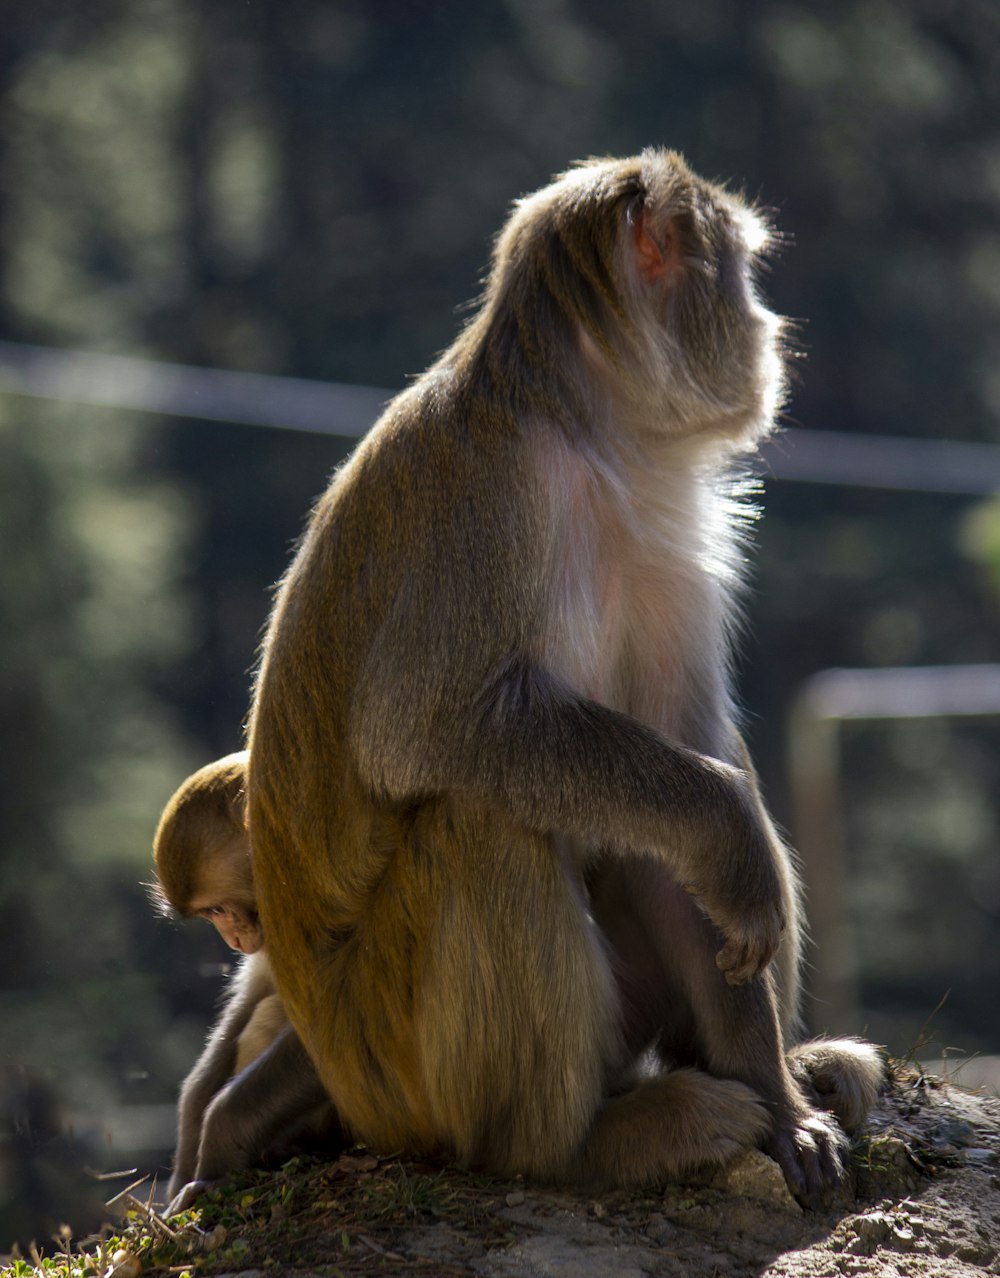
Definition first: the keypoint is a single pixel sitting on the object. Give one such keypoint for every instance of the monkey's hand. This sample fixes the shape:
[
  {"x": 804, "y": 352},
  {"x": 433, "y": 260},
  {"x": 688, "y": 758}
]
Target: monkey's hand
[
  {"x": 226, "y": 1145},
  {"x": 743, "y": 890},
  {"x": 182, "y": 1200},
  {"x": 750, "y": 945}
]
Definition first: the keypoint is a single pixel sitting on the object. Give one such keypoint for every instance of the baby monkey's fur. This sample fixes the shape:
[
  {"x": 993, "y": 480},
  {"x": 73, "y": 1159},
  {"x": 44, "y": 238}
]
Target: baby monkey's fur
[{"x": 253, "y": 1095}]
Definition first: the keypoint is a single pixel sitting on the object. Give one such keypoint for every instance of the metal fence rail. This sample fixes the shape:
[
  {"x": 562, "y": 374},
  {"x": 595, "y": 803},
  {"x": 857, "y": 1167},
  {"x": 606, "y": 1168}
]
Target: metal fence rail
[{"x": 333, "y": 408}]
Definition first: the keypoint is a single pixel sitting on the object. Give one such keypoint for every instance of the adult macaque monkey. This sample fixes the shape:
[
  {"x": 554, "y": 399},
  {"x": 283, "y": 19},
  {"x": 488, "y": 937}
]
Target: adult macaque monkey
[
  {"x": 253, "y": 1095},
  {"x": 506, "y": 838}
]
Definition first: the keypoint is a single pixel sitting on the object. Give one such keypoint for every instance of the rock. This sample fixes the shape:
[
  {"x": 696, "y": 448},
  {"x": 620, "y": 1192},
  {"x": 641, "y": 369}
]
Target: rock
[
  {"x": 952, "y": 1135},
  {"x": 125, "y": 1265},
  {"x": 874, "y": 1228},
  {"x": 754, "y": 1175}
]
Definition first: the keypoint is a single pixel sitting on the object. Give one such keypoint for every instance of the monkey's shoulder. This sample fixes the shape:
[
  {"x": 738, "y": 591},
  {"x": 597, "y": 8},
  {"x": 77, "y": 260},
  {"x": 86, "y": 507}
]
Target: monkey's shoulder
[{"x": 431, "y": 472}]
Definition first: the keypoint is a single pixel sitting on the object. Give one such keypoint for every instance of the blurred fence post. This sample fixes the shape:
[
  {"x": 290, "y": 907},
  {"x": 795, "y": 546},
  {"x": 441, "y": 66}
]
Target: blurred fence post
[
  {"x": 824, "y": 702},
  {"x": 814, "y": 776}
]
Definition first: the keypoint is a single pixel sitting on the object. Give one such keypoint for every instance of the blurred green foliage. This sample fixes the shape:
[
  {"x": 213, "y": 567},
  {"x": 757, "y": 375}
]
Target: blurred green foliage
[
  {"x": 310, "y": 187},
  {"x": 980, "y": 537}
]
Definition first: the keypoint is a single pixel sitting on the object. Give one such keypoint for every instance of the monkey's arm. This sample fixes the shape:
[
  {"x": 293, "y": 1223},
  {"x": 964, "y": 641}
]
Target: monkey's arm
[
  {"x": 561, "y": 762},
  {"x": 210, "y": 1073},
  {"x": 251, "y": 1114}
]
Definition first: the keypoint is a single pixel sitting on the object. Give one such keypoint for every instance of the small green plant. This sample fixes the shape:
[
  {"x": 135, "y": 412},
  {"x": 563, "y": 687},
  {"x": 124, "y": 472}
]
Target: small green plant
[
  {"x": 407, "y": 1194},
  {"x": 344, "y": 1216},
  {"x": 143, "y": 1240}
]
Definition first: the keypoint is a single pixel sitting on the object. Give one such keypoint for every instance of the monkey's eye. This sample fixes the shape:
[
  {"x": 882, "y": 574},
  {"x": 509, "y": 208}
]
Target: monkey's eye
[{"x": 212, "y": 911}]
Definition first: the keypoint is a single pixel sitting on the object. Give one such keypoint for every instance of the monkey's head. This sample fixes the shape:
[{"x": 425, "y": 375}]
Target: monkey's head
[
  {"x": 654, "y": 269},
  {"x": 202, "y": 854}
]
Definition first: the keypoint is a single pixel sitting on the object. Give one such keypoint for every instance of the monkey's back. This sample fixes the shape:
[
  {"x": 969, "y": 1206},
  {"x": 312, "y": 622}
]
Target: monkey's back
[{"x": 370, "y": 638}]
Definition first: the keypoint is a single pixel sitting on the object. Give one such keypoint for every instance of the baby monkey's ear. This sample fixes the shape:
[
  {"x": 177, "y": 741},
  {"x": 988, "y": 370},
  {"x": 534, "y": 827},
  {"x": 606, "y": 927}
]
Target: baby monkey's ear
[{"x": 158, "y": 899}]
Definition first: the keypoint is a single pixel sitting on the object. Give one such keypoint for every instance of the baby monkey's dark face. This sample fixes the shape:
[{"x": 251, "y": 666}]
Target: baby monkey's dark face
[
  {"x": 238, "y": 927},
  {"x": 225, "y": 896}
]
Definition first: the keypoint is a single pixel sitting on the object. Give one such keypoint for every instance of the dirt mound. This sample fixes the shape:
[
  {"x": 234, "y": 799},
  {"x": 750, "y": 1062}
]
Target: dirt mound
[{"x": 922, "y": 1200}]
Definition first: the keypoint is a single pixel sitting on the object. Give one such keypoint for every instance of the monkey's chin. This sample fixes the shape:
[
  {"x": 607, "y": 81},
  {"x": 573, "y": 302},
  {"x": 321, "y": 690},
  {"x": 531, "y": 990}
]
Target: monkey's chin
[
  {"x": 716, "y": 434},
  {"x": 719, "y": 408},
  {"x": 750, "y": 412},
  {"x": 743, "y": 429},
  {"x": 748, "y": 430}
]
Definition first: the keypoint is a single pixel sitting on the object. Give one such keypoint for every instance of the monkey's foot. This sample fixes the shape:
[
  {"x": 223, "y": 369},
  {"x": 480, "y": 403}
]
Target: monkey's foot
[
  {"x": 669, "y": 1126},
  {"x": 811, "y": 1153}
]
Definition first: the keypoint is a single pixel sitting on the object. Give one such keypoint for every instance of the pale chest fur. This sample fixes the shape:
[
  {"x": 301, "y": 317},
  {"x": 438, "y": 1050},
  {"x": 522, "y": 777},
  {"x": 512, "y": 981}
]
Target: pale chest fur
[{"x": 637, "y": 592}]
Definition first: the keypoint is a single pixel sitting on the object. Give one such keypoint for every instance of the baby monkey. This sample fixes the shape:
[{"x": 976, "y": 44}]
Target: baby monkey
[{"x": 253, "y": 1096}]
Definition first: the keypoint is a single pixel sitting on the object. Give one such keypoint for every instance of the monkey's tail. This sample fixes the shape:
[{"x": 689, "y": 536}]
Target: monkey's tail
[{"x": 843, "y": 1075}]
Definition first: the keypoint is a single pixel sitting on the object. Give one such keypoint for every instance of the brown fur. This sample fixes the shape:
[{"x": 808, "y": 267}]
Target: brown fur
[
  {"x": 202, "y": 834},
  {"x": 506, "y": 838},
  {"x": 253, "y": 1095}
]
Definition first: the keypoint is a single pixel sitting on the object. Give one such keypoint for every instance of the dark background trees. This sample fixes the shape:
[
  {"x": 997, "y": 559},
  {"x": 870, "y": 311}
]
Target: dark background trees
[{"x": 309, "y": 188}]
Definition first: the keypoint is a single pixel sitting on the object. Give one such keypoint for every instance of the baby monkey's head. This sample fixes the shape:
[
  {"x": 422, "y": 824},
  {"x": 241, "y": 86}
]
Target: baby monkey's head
[{"x": 202, "y": 854}]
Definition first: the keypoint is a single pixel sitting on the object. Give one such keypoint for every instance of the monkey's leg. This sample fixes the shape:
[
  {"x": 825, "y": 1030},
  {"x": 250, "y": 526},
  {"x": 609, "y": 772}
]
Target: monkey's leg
[
  {"x": 513, "y": 1022},
  {"x": 472, "y": 1010},
  {"x": 669, "y": 1126},
  {"x": 732, "y": 1032},
  {"x": 552, "y": 1049}
]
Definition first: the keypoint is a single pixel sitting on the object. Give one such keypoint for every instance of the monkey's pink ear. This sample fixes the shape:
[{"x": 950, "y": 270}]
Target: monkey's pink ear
[{"x": 653, "y": 260}]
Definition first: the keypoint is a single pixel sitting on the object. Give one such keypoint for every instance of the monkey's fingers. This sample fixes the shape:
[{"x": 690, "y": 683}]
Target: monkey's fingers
[
  {"x": 182, "y": 1200},
  {"x": 735, "y": 963},
  {"x": 811, "y": 1155}
]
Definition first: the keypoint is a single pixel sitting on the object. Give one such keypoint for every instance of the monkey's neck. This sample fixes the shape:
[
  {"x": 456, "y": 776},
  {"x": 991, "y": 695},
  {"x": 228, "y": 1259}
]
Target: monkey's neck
[
  {"x": 521, "y": 357},
  {"x": 644, "y": 550}
]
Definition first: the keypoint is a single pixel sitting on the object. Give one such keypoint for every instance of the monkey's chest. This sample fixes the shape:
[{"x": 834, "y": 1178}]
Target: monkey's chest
[
  {"x": 628, "y": 629},
  {"x": 633, "y": 610}
]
